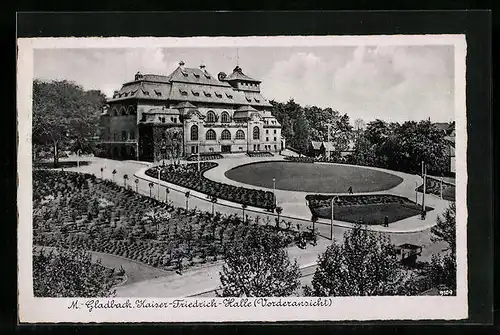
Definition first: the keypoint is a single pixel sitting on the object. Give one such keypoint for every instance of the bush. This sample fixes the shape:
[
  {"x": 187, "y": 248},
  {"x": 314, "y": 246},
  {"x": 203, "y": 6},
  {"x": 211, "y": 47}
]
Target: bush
[{"x": 188, "y": 176}]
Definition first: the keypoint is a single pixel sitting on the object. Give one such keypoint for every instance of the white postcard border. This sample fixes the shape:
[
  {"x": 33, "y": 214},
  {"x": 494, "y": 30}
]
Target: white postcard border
[{"x": 33, "y": 309}]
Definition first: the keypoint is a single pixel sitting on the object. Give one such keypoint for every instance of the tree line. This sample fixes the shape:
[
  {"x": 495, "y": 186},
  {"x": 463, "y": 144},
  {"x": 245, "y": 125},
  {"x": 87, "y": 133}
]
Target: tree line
[
  {"x": 65, "y": 117},
  {"x": 391, "y": 145}
]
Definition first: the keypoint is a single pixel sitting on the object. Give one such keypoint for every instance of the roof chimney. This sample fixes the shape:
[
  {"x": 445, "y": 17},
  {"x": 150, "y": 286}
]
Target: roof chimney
[
  {"x": 202, "y": 66},
  {"x": 181, "y": 63}
]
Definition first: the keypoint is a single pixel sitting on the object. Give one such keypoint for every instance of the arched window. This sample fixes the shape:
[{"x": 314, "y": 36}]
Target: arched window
[
  {"x": 210, "y": 116},
  {"x": 131, "y": 110},
  {"x": 132, "y": 135},
  {"x": 210, "y": 135},
  {"x": 114, "y": 111},
  {"x": 256, "y": 133},
  {"x": 194, "y": 133},
  {"x": 123, "y": 111},
  {"x": 225, "y": 135},
  {"x": 124, "y": 135},
  {"x": 240, "y": 135},
  {"x": 224, "y": 118}
]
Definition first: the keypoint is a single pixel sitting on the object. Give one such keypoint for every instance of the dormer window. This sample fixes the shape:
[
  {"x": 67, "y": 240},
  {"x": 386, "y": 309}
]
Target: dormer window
[
  {"x": 158, "y": 93},
  {"x": 196, "y": 75},
  {"x": 229, "y": 95},
  {"x": 144, "y": 92},
  {"x": 184, "y": 73},
  {"x": 126, "y": 94},
  {"x": 219, "y": 95},
  {"x": 183, "y": 92},
  {"x": 195, "y": 93},
  {"x": 256, "y": 100},
  {"x": 133, "y": 92},
  {"x": 207, "y": 76},
  {"x": 207, "y": 94},
  {"x": 249, "y": 100}
]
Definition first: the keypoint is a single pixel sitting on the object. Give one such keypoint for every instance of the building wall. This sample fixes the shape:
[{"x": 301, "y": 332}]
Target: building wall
[{"x": 119, "y": 125}]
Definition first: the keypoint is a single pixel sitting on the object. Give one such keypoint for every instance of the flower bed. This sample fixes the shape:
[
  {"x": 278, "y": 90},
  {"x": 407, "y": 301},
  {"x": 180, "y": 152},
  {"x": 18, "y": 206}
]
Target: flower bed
[
  {"x": 368, "y": 209},
  {"x": 302, "y": 159},
  {"x": 188, "y": 176},
  {"x": 206, "y": 156},
  {"x": 260, "y": 154},
  {"x": 73, "y": 210}
]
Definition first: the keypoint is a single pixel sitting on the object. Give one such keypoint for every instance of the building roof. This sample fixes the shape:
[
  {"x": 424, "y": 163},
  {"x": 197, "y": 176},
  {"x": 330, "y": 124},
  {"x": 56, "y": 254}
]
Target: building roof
[
  {"x": 238, "y": 75},
  {"x": 195, "y": 76},
  {"x": 166, "y": 111},
  {"x": 184, "y": 104},
  {"x": 328, "y": 146},
  {"x": 190, "y": 85},
  {"x": 244, "y": 112},
  {"x": 316, "y": 145}
]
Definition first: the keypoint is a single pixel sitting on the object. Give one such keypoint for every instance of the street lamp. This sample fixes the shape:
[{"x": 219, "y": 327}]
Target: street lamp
[
  {"x": 274, "y": 192},
  {"x": 78, "y": 158},
  {"x": 136, "y": 185},
  {"x": 332, "y": 215}
]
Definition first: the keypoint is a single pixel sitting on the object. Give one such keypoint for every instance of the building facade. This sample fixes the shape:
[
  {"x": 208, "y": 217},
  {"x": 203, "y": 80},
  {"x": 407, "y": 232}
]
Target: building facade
[{"x": 188, "y": 112}]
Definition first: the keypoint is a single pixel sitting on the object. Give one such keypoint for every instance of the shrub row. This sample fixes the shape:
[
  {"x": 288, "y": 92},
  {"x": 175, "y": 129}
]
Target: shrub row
[
  {"x": 260, "y": 154},
  {"x": 188, "y": 176}
]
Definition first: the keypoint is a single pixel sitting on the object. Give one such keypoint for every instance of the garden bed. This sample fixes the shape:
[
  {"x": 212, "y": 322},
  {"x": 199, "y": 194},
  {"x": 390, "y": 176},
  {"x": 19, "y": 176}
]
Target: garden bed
[
  {"x": 260, "y": 154},
  {"x": 366, "y": 209},
  {"x": 73, "y": 210},
  {"x": 205, "y": 156},
  {"x": 188, "y": 176}
]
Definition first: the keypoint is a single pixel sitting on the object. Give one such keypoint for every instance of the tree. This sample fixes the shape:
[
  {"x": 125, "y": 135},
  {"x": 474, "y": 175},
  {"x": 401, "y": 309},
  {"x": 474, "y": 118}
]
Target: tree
[
  {"x": 213, "y": 200},
  {"x": 64, "y": 115},
  {"x": 187, "y": 194},
  {"x": 365, "y": 264},
  {"x": 278, "y": 210},
  {"x": 445, "y": 229},
  {"x": 258, "y": 267},
  {"x": 302, "y": 136},
  {"x": 443, "y": 269},
  {"x": 70, "y": 273}
]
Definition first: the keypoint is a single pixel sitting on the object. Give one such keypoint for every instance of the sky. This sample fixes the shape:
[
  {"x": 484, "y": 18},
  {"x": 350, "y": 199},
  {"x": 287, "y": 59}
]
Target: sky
[{"x": 393, "y": 83}]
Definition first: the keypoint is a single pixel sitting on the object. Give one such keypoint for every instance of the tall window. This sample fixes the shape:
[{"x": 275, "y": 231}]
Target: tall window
[
  {"x": 240, "y": 135},
  {"x": 132, "y": 135},
  {"x": 210, "y": 117},
  {"x": 210, "y": 135},
  {"x": 124, "y": 135},
  {"x": 224, "y": 117},
  {"x": 225, "y": 135},
  {"x": 194, "y": 133},
  {"x": 256, "y": 133}
]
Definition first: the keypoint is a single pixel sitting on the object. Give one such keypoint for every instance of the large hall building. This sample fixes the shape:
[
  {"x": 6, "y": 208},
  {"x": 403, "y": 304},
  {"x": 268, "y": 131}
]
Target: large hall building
[{"x": 188, "y": 112}]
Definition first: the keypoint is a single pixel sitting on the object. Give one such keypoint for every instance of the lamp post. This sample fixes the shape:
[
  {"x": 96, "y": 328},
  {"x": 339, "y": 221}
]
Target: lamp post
[
  {"x": 78, "y": 158},
  {"x": 102, "y": 170},
  {"x": 199, "y": 168},
  {"x": 158, "y": 191},
  {"x": 136, "y": 185},
  {"x": 332, "y": 216},
  {"x": 113, "y": 174},
  {"x": 274, "y": 192},
  {"x": 416, "y": 192}
]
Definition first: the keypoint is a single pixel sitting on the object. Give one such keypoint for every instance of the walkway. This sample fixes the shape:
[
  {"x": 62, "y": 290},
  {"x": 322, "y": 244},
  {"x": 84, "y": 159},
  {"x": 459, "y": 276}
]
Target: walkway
[
  {"x": 146, "y": 282},
  {"x": 294, "y": 204}
]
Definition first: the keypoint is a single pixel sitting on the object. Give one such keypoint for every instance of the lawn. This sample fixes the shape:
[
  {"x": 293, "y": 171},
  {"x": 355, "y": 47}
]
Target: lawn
[
  {"x": 323, "y": 178},
  {"x": 371, "y": 214}
]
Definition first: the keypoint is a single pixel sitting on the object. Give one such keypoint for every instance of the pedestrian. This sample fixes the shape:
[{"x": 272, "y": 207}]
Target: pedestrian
[
  {"x": 350, "y": 190},
  {"x": 386, "y": 221}
]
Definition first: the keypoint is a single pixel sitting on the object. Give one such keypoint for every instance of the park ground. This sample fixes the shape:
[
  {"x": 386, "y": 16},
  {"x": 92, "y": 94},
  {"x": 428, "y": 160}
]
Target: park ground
[{"x": 146, "y": 281}]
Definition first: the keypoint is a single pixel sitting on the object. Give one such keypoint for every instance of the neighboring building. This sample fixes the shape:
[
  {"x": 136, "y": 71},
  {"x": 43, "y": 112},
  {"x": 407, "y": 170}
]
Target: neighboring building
[
  {"x": 448, "y": 130},
  {"x": 314, "y": 148},
  {"x": 188, "y": 112}
]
